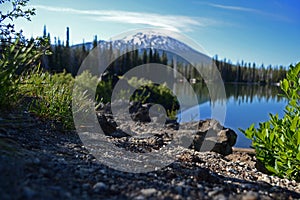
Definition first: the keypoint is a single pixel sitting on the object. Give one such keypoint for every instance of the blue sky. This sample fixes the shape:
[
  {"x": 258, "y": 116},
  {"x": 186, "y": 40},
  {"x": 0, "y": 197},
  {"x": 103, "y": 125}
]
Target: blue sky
[{"x": 258, "y": 31}]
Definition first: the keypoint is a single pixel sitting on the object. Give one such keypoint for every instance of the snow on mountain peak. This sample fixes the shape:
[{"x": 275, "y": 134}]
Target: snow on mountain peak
[
  {"x": 161, "y": 40},
  {"x": 154, "y": 39}
]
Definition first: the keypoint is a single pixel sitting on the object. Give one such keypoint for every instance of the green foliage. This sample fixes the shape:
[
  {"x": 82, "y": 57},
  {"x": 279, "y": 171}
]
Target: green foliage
[
  {"x": 14, "y": 59},
  {"x": 147, "y": 92},
  {"x": 86, "y": 81},
  {"x": 277, "y": 141},
  {"x": 135, "y": 82},
  {"x": 172, "y": 114},
  {"x": 85, "y": 85},
  {"x": 16, "y": 53},
  {"x": 50, "y": 95},
  {"x": 155, "y": 93},
  {"x": 104, "y": 91}
]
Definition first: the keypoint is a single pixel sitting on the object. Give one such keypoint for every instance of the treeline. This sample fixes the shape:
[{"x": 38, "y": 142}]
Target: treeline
[
  {"x": 249, "y": 72},
  {"x": 65, "y": 57}
]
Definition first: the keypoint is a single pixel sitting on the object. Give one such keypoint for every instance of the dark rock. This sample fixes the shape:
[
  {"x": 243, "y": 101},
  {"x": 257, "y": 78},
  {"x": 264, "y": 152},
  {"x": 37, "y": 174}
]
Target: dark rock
[
  {"x": 134, "y": 106},
  {"x": 261, "y": 167},
  {"x": 140, "y": 112},
  {"x": 215, "y": 137},
  {"x": 205, "y": 125},
  {"x": 108, "y": 125},
  {"x": 226, "y": 139},
  {"x": 204, "y": 175},
  {"x": 104, "y": 108},
  {"x": 100, "y": 187},
  {"x": 119, "y": 134},
  {"x": 107, "y": 76},
  {"x": 172, "y": 124}
]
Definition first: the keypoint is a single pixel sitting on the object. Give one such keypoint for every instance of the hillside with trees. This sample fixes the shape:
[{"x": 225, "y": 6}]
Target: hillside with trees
[{"x": 69, "y": 58}]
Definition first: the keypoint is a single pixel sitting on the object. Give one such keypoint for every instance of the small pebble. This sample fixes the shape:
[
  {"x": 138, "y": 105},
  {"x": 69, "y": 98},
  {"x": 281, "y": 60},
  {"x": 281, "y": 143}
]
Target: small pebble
[
  {"x": 100, "y": 187},
  {"x": 148, "y": 192},
  {"x": 251, "y": 196}
]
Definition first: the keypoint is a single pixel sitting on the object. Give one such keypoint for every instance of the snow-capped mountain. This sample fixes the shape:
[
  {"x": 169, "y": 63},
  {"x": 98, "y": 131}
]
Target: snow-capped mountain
[{"x": 155, "y": 40}]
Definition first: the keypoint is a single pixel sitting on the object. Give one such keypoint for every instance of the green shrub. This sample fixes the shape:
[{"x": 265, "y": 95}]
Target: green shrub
[
  {"x": 50, "y": 95},
  {"x": 104, "y": 91},
  {"x": 158, "y": 94},
  {"x": 85, "y": 85},
  {"x": 14, "y": 58},
  {"x": 277, "y": 141},
  {"x": 146, "y": 92},
  {"x": 135, "y": 82}
]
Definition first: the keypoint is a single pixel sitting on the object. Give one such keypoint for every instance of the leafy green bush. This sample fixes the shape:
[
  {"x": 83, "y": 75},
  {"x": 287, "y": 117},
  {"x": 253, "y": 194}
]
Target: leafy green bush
[
  {"x": 14, "y": 58},
  {"x": 277, "y": 141},
  {"x": 135, "y": 82},
  {"x": 50, "y": 95},
  {"x": 158, "y": 94},
  {"x": 104, "y": 91},
  {"x": 146, "y": 92}
]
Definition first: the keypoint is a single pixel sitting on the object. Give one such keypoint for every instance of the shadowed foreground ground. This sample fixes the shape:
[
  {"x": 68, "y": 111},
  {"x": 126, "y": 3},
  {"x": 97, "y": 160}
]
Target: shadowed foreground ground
[{"x": 39, "y": 161}]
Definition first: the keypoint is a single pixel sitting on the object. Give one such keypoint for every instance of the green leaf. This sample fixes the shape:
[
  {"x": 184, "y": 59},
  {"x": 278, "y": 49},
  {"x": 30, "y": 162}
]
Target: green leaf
[
  {"x": 298, "y": 156},
  {"x": 271, "y": 169},
  {"x": 272, "y": 134},
  {"x": 285, "y": 85},
  {"x": 294, "y": 124},
  {"x": 298, "y": 134},
  {"x": 249, "y": 132}
]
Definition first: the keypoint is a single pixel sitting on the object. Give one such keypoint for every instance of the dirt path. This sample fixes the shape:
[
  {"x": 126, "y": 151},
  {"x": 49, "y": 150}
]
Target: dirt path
[{"x": 38, "y": 161}]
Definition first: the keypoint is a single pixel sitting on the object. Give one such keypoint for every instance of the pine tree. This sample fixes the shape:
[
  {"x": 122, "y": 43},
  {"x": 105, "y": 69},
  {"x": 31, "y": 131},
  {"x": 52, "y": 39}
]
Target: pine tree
[
  {"x": 145, "y": 56},
  {"x": 68, "y": 38},
  {"x": 253, "y": 72},
  {"x": 95, "y": 42},
  {"x": 164, "y": 59},
  {"x": 150, "y": 56},
  {"x": 45, "y": 31}
]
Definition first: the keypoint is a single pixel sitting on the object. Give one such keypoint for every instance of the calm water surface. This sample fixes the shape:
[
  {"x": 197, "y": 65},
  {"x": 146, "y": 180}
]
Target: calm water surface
[{"x": 246, "y": 104}]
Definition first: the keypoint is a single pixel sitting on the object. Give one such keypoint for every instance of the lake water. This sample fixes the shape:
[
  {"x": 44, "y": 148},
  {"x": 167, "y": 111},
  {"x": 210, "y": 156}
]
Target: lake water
[{"x": 245, "y": 105}]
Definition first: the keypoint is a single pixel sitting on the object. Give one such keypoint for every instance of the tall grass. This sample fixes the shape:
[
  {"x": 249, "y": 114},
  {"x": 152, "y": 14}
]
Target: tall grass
[{"x": 50, "y": 95}]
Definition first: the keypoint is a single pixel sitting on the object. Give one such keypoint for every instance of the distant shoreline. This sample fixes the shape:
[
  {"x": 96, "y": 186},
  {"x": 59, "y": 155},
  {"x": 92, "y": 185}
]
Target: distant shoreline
[{"x": 253, "y": 83}]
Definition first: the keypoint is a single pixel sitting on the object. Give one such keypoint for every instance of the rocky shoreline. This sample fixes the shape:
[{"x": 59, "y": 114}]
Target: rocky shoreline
[{"x": 39, "y": 160}]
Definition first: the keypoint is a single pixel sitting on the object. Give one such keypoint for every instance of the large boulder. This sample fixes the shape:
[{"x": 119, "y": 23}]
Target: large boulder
[{"x": 212, "y": 136}]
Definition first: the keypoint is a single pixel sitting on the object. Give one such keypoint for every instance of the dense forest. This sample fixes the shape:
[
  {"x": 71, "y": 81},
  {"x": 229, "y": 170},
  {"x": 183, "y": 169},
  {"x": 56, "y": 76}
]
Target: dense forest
[{"x": 69, "y": 58}]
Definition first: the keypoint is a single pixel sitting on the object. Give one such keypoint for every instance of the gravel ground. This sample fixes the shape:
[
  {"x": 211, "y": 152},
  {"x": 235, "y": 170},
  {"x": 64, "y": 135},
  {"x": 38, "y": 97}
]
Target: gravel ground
[{"x": 40, "y": 161}]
